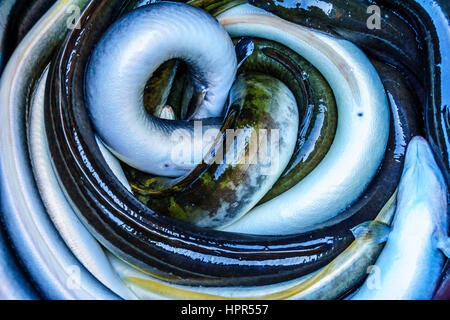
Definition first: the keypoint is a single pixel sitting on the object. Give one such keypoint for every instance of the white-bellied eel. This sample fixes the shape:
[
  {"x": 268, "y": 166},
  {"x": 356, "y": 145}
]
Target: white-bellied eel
[
  {"x": 411, "y": 262},
  {"x": 331, "y": 282},
  {"x": 126, "y": 57},
  {"x": 88, "y": 250},
  {"x": 360, "y": 111},
  {"x": 361, "y": 136},
  {"x": 317, "y": 109},
  {"x": 350, "y": 268},
  {"x": 252, "y": 156},
  {"x": 77, "y": 226},
  {"x": 167, "y": 248},
  {"x": 45, "y": 256},
  {"x": 171, "y": 249}
]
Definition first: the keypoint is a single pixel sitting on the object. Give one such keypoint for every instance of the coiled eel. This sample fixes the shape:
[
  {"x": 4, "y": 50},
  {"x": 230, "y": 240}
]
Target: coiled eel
[
  {"x": 356, "y": 152},
  {"x": 350, "y": 268},
  {"x": 116, "y": 78},
  {"x": 106, "y": 213},
  {"x": 349, "y": 216}
]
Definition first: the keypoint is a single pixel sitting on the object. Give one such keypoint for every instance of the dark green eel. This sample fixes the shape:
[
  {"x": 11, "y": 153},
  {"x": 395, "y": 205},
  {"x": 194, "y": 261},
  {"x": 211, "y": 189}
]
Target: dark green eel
[
  {"x": 414, "y": 36},
  {"x": 319, "y": 114},
  {"x": 316, "y": 104},
  {"x": 169, "y": 249},
  {"x": 236, "y": 179}
]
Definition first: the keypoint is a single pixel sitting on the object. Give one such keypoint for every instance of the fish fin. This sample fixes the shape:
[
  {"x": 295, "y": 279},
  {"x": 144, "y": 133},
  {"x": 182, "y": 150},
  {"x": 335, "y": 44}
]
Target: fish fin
[
  {"x": 361, "y": 229},
  {"x": 244, "y": 49},
  {"x": 379, "y": 231},
  {"x": 443, "y": 244}
]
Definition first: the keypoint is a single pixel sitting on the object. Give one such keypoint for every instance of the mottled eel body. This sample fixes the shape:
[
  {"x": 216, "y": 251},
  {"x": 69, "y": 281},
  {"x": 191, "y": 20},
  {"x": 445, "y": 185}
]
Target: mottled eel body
[
  {"x": 252, "y": 156},
  {"x": 160, "y": 245},
  {"x": 361, "y": 136}
]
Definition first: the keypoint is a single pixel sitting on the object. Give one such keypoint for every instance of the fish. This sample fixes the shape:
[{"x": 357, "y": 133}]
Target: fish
[
  {"x": 45, "y": 257},
  {"x": 361, "y": 136},
  {"x": 251, "y": 157},
  {"x": 333, "y": 281},
  {"x": 413, "y": 36},
  {"x": 76, "y": 154},
  {"x": 325, "y": 260},
  {"x": 443, "y": 289},
  {"x": 316, "y": 104},
  {"x": 411, "y": 262},
  {"x": 15, "y": 282},
  {"x": 393, "y": 41},
  {"x": 115, "y": 80},
  {"x": 6, "y": 7},
  {"x": 81, "y": 243}
]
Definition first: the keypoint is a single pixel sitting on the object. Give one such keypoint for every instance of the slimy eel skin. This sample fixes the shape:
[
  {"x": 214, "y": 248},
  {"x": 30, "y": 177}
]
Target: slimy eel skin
[{"x": 224, "y": 149}]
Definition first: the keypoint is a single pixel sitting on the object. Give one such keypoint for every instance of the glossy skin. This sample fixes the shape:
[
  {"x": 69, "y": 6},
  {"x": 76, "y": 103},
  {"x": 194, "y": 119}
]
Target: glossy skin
[
  {"x": 363, "y": 127},
  {"x": 316, "y": 105},
  {"x": 189, "y": 254},
  {"x": 443, "y": 289},
  {"x": 430, "y": 19},
  {"x": 315, "y": 101},
  {"x": 41, "y": 251},
  {"x": 15, "y": 282},
  {"x": 5, "y": 11},
  {"x": 81, "y": 243},
  {"x": 105, "y": 212},
  {"x": 396, "y": 157},
  {"x": 416, "y": 36},
  {"x": 237, "y": 179},
  {"x": 346, "y": 272},
  {"x": 23, "y": 15},
  {"x": 333, "y": 281},
  {"x": 115, "y": 80},
  {"x": 410, "y": 264},
  {"x": 395, "y": 42}
]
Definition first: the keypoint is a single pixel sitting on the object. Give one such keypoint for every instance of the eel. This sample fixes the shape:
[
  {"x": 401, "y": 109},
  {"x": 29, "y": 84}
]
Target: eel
[
  {"x": 411, "y": 262},
  {"x": 164, "y": 246},
  {"x": 78, "y": 239},
  {"x": 443, "y": 289},
  {"x": 361, "y": 136},
  {"x": 39, "y": 248},
  {"x": 115, "y": 80},
  {"x": 252, "y": 156},
  {"x": 414, "y": 35},
  {"x": 169, "y": 249}
]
